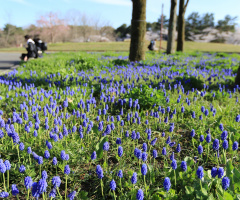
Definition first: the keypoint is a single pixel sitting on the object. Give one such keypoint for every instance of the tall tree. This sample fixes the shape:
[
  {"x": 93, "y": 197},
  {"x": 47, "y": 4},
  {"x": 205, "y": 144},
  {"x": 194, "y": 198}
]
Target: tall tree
[
  {"x": 181, "y": 24},
  {"x": 227, "y": 24},
  {"x": 138, "y": 30},
  {"x": 172, "y": 27}
]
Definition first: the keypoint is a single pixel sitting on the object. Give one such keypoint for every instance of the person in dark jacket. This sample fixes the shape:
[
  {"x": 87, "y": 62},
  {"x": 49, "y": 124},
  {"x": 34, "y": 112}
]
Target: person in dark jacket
[{"x": 32, "y": 51}]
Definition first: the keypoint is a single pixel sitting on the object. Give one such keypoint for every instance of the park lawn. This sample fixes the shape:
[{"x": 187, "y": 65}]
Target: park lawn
[{"x": 124, "y": 46}]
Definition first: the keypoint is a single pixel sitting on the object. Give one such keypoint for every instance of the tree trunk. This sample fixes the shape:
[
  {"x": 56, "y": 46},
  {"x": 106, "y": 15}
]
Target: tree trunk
[
  {"x": 138, "y": 30},
  {"x": 181, "y": 25},
  {"x": 237, "y": 79},
  {"x": 172, "y": 27}
]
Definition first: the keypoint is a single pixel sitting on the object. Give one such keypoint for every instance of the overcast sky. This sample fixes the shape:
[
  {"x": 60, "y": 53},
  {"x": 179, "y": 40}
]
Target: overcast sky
[{"x": 114, "y": 12}]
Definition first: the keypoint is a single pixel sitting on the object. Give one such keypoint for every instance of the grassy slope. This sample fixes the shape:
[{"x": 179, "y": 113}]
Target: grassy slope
[{"x": 124, "y": 46}]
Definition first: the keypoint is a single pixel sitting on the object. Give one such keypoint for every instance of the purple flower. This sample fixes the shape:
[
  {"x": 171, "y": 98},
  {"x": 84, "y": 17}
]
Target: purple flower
[
  {"x": 134, "y": 178},
  {"x": 144, "y": 169},
  {"x": 67, "y": 170},
  {"x": 174, "y": 164},
  {"x": 113, "y": 185},
  {"x": 140, "y": 195},
  {"x": 200, "y": 172},
  {"x": 94, "y": 155},
  {"x": 235, "y": 146},
  {"x": 54, "y": 161},
  {"x": 47, "y": 154},
  {"x": 71, "y": 196},
  {"x": 200, "y": 149},
  {"x": 214, "y": 172},
  {"x": 22, "y": 169},
  {"x": 220, "y": 172},
  {"x": 167, "y": 184},
  {"x": 15, "y": 190},
  {"x": 4, "y": 194},
  {"x": 7, "y": 164},
  {"x": 184, "y": 166},
  {"x": 99, "y": 172},
  {"x": 120, "y": 151},
  {"x": 28, "y": 182},
  {"x": 56, "y": 181},
  {"x": 216, "y": 144},
  {"x": 225, "y": 183}
]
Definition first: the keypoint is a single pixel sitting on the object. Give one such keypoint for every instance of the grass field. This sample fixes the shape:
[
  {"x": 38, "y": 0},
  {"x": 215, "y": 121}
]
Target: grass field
[
  {"x": 97, "y": 127},
  {"x": 124, "y": 46}
]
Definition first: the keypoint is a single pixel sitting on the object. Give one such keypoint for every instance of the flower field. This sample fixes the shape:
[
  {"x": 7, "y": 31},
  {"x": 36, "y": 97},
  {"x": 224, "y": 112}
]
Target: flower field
[{"x": 96, "y": 126}]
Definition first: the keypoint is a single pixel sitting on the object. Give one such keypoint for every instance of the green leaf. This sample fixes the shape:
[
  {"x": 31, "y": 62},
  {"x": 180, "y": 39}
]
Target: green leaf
[
  {"x": 156, "y": 197},
  {"x": 99, "y": 147},
  {"x": 83, "y": 195},
  {"x": 229, "y": 173},
  {"x": 204, "y": 191},
  {"x": 220, "y": 197},
  {"x": 236, "y": 176},
  {"x": 227, "y": 196},
  {"x": 189, "y": 190},
  {"x": 211, "y": 197}
]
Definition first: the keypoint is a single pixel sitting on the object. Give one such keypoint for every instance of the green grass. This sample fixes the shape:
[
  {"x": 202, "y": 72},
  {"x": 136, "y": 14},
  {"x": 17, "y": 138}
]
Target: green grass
[{"x": 124, "y": 46}]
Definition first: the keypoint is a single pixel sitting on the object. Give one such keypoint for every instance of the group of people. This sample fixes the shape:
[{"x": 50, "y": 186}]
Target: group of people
[{"x": 35, "y": 47}]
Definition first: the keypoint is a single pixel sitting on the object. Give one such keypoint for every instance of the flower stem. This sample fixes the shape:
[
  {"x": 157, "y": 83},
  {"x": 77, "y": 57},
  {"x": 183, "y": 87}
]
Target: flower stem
[
  {"x": 201, "y": 184},
  {"x": 4, "y": 182},
  {"x": 102, "y": 187},
  {"x": 8, "y": 179},
  {"x": 114, "y": 195},
  {"x": 145, "y": 184},
  {"x": 175, "y": 179},
  {"x": 66, "y": 188}
]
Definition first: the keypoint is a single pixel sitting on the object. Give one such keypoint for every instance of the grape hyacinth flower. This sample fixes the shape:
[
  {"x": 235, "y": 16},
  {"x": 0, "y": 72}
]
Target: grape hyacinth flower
[
  {"x": 120, "y": 151},
  {"x": 56, "y": 181},
  {"x": 214, "y": 172},
  {"x": 54, "y": 161},
  {"x": 225, "y": 183},
  {"x": 113, "y": 185},
  {"x": 140, "y": 195},
  {"x": 15, "y": 190},
  {"x": 134, "y": 178},
  {"x": 106, "y": 146},
  {"x": 44, "y": 175},
  {"x": 200, "y": 172},
  {"x": 94, "y": 155},
  {"x": 184, "y": 166},
  {"x": 200, "y": 149},
  {"x": 235, "y": 146},
  {"x": 154, "y": 153},
  {"x": 99, "y": 172},
  {"x": 178, "y": 149},
  {"x": 144, "y": 147},
  {"x": 220, "y": 172},
  {"x": 216, "y": 145},
  {"x": 167, "y": 184},
  {"x": 164, "y": 151},
  {"x": 22, "y": 169},
  {"x": 4, "y": 194},
  {"x": 71, "y": 196}
]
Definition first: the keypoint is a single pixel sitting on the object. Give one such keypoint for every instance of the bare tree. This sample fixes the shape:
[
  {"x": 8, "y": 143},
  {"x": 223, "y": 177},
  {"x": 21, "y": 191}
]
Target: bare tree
[
  {"x": 138, "y": 30},
  {"x": 181, "y": 25},
  {"x": 73, "y": 19},
  {"x": 52, "y": 25},
  {"x": 172, "y": 27}
]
